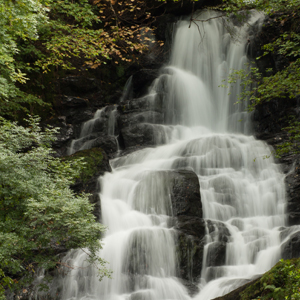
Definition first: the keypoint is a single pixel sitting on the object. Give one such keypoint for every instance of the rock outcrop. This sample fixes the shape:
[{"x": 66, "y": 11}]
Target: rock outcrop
[
  {"x": 291, "y": 248},
  {"x": 187, "y": 210}
]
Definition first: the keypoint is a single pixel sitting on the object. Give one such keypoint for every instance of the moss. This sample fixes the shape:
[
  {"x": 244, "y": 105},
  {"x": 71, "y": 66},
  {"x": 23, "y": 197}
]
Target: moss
[
  {"x": 281, "y": 282},
  {"x": 93, "y": 160}
]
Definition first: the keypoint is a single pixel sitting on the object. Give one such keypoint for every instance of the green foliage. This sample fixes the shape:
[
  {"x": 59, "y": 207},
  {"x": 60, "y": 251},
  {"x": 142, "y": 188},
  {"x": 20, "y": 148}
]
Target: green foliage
[
  {"x": 291, "y": 146},
  {"x": 267, "y": 6},
  {"x": 39, "y": 214},
  {"x": 282, "y": 84},
  {"x": 281, "y": 282},
  {"x": 45, "y": 35},
  {"x": 94, "y": 33},
  {"x": 18, "y": 20},
  {"x": 69, "y": 34},
  {"x": 92, "y": 159},
  {"x": 79, "y": 12}
]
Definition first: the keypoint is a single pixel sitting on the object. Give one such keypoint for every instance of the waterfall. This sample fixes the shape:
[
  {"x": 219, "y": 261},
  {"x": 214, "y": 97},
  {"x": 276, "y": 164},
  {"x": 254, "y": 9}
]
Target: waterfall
[{"x": 239, "y": 187}]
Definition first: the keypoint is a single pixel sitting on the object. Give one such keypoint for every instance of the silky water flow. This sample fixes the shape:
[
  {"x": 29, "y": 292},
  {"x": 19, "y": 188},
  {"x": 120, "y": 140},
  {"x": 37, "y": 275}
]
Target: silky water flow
[
  {"x": 206, "y": 132},
  {"x": 104, "y": 118}
]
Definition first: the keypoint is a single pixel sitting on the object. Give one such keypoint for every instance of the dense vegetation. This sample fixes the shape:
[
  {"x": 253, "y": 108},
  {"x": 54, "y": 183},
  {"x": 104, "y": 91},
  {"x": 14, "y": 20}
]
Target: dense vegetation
[
  {"x": 281, "y": 282},
  {"x": 41, "y": 40},
  {"x": 48, "y": 36},
  {"x": 39, "y": 214}
]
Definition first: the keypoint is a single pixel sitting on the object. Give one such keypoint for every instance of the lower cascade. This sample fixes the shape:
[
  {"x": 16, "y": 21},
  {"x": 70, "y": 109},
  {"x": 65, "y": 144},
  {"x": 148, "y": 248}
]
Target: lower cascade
[{"x": 199, "y": 131}]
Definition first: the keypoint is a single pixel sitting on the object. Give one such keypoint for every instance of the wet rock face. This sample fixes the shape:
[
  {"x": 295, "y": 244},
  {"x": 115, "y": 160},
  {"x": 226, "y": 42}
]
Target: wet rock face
[
  {"x": 138, "y": 122},
  {"x": 185, "y": 194},
  {"x": 216, "y": 250},
  {"x": 190, "y": 246},
  {"x": 142, "y": 79},
  {"x": 291, "y": 248},
  {"x": 141, "y": 105},
  {"x": 293, "y": 192},
  {"x": 138, "y": 135},
  {"x": 134, "y": 118},
  {"x": 107, "y": 143},
  {"x": 192, "y": 229}
]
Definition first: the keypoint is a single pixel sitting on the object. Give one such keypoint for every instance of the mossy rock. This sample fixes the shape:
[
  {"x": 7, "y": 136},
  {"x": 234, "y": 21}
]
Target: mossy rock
[
  {"x": 282, "y": 281},
  {"x": 92, "y": 158},
  {"x": 96, "y": 164}
]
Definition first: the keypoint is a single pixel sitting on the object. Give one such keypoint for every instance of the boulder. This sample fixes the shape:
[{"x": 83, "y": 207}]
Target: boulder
[
  {"x": 176, "y": 194},
  {"x": 187, "y": 210},
  {"x": 181, "y": 189},
  {"x": 107, "y": 143},
  {"x": 143, "y": 135},
  {"x": 216, "y": 256},
  {"x": 185, "y": 194},
  {"x": 216, "y": 249},
  {"x": 191, "y": 228}
]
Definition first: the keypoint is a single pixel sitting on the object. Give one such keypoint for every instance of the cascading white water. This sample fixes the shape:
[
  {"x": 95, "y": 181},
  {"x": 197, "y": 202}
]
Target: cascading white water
[
  {"x": 238, "y": 186},
  {"x": 103, "y": 121},
  {"x": 83, "y": 142}
]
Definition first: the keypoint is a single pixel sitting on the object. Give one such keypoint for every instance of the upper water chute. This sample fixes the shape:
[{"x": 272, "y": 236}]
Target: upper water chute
[
  {"x": 203, "y": 55},
  {"x": 188, "y": 102}
]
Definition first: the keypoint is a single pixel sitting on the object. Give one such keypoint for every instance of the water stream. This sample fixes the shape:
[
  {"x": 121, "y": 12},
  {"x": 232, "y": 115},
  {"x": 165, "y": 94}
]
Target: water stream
[{"x": 205, "y": 132}]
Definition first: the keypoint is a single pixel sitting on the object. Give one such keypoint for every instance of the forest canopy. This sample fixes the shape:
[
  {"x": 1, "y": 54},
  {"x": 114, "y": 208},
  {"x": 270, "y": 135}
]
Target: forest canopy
[{"x": 42, "y": 36}]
